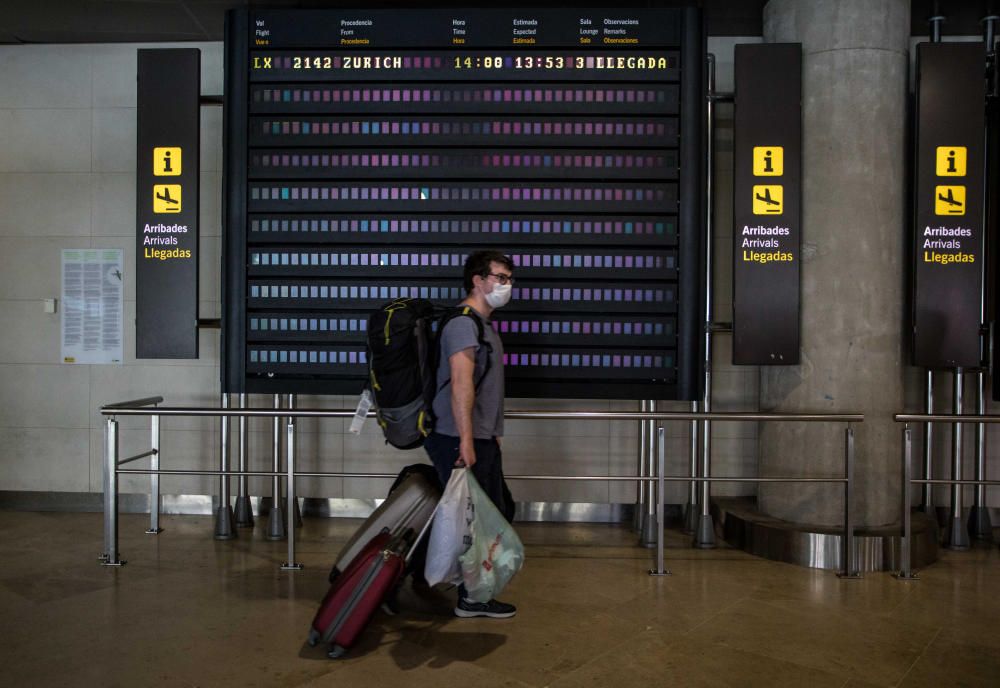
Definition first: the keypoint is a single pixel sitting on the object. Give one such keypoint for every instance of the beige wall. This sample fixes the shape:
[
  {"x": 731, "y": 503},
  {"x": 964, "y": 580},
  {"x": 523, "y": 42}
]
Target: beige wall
[{"x": 67, "y": 180}]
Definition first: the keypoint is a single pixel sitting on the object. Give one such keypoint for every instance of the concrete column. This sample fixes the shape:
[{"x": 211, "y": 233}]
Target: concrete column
[{"x": 854, "y": 85}]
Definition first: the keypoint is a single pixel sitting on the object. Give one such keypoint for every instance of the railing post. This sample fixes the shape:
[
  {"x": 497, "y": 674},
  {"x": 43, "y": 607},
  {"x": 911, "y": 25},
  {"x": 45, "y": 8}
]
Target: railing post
[
  {"x": 640, "y": 493},
  {"x": 928, "y": 489},
  {"x": 691, "y": 508},
  {"x": 154, "y": 478},
  {"x": 647, "y": 537},
  {"x": 957, "y": 535},
  {"x": 296, "y": 519},
  {"x": 275, "y": 522},
  {"x": 243, "y": 514},
  {"x": 704, "y": 537},
  {"x": 906, "y": 543},
  {"x": 661, "y": 463},
  {"x": 290, "y": 499},
  {"x": 110, "y": 557},
  {"x": 850, "y": 570},
  {"x": 980, "y": 525},
  {"x": 224, "y": 529}
]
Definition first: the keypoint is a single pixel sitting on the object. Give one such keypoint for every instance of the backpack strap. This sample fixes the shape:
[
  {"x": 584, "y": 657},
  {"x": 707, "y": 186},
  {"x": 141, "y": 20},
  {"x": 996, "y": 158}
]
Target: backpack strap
[{"x": 463, "y": 311}]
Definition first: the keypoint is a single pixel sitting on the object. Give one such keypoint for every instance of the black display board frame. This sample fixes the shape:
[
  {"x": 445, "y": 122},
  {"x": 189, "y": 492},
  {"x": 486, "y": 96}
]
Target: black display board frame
[{"x": 678, "y": 29}]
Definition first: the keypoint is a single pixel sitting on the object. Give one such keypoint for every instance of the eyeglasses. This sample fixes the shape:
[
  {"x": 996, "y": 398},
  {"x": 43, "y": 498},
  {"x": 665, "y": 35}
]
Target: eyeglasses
[{"x": 502, "y": 279}]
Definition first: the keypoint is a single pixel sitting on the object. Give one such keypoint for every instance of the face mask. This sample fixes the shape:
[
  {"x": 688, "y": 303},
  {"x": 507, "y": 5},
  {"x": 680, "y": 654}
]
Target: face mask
[{"x": 500, "y": 295}]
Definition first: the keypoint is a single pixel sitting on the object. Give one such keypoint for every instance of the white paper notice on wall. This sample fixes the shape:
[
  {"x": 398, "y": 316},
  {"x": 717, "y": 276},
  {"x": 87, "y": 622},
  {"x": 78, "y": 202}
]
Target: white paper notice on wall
[{"x": 92, "y": 295}]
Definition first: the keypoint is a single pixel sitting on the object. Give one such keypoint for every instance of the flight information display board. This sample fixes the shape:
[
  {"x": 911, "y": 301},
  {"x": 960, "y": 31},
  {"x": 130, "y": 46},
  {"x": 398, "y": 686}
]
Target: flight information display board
[{"x": 369, "y": 152}]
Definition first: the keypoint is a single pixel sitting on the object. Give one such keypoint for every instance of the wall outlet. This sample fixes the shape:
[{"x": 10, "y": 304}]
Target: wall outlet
[{"x": 49, "y": 305}]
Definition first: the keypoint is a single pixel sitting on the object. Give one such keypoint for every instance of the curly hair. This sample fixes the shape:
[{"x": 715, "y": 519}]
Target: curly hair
[{"x": 478, "y": 263}]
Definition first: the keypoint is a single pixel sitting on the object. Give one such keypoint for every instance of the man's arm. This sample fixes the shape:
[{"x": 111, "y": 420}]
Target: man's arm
[{"x": 463, "y": 397}]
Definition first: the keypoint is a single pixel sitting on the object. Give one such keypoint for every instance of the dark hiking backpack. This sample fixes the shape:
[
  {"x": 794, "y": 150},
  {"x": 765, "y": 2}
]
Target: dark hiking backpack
[{"x": 403, "y": 356}]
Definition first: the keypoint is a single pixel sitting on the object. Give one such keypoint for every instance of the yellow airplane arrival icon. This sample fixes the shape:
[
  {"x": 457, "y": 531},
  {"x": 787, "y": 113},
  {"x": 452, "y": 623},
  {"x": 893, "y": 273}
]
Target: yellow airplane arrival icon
[
  {"x": 768, "y": 199},
  {"x": 166, "y": 198}
]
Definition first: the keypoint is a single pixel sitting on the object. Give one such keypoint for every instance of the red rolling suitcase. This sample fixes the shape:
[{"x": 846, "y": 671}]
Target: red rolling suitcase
[{"x": 352, "y": 600}]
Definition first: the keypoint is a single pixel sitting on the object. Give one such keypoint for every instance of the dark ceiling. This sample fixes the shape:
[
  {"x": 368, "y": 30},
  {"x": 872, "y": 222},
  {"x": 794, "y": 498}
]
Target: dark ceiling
[{"x": 116, "y": 21}]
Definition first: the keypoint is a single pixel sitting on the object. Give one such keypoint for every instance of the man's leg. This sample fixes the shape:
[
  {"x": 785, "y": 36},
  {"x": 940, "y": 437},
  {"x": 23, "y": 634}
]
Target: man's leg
[
  {"x": 443, "y": 452},
  {"x": 489, "y": 471}
]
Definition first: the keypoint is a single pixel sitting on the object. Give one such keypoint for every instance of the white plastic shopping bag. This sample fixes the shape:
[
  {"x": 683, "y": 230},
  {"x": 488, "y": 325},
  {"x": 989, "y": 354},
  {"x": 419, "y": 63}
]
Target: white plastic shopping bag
[
  {"x": 496, "y": 552},
  {"x": 450, "y": 532}
]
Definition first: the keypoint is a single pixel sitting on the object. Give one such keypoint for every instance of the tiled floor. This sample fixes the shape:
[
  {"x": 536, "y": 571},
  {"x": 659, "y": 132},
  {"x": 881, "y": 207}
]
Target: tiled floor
[{"x": 189, "y": 611}]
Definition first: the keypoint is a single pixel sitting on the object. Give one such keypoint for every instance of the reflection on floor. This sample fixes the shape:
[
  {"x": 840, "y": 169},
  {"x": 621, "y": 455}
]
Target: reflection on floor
[{"x": 189, "y": 611}]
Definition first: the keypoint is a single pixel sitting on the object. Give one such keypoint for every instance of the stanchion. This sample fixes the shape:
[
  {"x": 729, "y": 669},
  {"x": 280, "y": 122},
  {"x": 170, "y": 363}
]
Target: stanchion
[
  {"x": 906, "y": 543},
  {"x": 957, "y": 535},
  {"x": 290, "y": 500},
  {"x": 661, "y": 464},
  {"x": 927, "y": 500},
  {"x": 704, "y": 537},
  {"x": 275, "y": 521},
  {"x": 224, "y": 529},
  {"x": 640, "y": 488},
  {"x": 294, "y": 511},
  {"x": 849, "y": 549},
  {"x": 647, "y": 538},
  {"x": 154, "y": 479},
  {"x": 980, "y": 524},
  {"x": 111, "y": 557},
  {"x": 243, "y": 514},
  {"x": 691, "y": 508}
]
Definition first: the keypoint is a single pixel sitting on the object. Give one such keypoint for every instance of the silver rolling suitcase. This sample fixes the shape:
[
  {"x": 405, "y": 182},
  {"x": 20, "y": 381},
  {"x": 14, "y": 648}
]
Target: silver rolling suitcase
[{"x": 409, "y": 505}]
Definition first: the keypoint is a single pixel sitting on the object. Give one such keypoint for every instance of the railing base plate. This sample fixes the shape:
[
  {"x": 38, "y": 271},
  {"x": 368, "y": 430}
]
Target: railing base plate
[{"x": 849, "y": 576}]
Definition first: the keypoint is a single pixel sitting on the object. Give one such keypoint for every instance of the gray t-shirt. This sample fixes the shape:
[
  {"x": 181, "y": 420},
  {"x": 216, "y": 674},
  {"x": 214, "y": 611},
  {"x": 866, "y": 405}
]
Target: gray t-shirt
[{"x": 487, "y": 411}]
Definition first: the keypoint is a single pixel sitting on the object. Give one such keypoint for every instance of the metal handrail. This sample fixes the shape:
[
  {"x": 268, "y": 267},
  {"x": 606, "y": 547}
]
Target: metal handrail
[
  {"x": 612, "y": 478},
  {"x": 139, "y": 408},
  {"x": 906, "y": 571},
  {"x": 122, "y": 410},
  {"x": 943, "y": 418},
  {"x": 146, "y": 401},
  {"x": 143, "y": 455}
]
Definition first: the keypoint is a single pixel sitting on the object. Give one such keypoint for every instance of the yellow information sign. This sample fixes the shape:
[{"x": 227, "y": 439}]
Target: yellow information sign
[
  {"x": 949, "y": 200},
  {"x": 166, "y": 198},
  {"x": 167, "y": 162},
  {"x": 768, "y": 161},
  {"x": 950, "y": 161},
  {"x": 768, "y": 199}
]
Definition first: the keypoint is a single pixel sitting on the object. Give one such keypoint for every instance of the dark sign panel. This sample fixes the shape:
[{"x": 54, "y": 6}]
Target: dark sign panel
[
  {"x": 948, "y": 237},
  {"x": 767, "y": 204},
  {"x": 166, "y": 259},
  {"x": 369, "y": 152}
]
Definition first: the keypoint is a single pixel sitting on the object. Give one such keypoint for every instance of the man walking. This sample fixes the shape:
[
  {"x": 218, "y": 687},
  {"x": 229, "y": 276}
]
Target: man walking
[{"x": 468, "y": 406}]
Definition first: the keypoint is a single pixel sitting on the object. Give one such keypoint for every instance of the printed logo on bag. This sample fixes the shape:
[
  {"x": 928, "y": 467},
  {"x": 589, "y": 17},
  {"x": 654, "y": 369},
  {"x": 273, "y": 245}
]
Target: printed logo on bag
[{"x": 488, "y": 562}]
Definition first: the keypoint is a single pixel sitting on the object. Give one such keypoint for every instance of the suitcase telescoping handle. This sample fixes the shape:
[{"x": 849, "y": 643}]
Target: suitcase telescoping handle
[{"x": 423, "y": 532}]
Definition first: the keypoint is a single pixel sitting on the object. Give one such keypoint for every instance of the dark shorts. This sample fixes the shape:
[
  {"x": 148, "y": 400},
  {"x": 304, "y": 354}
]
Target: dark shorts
[{"x": 488, "y": 469}]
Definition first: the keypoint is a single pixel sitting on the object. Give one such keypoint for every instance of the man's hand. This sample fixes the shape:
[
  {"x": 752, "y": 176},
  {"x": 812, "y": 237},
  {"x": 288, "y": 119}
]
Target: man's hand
[{"x": 466, "y": 454}]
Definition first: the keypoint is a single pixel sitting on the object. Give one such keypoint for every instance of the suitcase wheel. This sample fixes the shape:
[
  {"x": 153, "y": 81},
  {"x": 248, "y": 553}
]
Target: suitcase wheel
[
  {"x": 313, "y": 637},
  {"x": 336, "y": 652}
]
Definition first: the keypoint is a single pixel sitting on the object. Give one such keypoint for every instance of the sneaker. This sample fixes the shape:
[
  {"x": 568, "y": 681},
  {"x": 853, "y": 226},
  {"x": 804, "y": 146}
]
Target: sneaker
[{"x": 493, "y": 609}]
